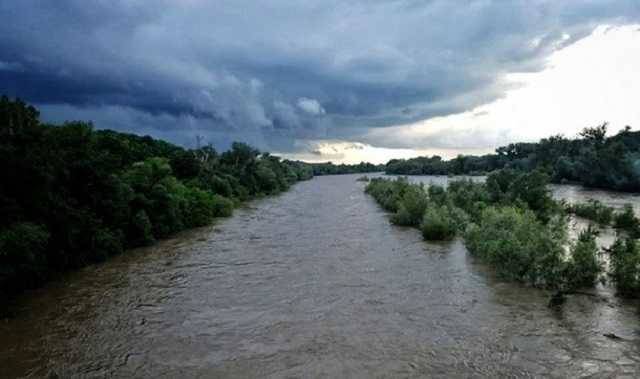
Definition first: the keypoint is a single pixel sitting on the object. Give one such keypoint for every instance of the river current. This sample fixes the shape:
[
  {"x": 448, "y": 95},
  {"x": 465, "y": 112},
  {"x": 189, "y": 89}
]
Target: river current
[{"x": 315, "y": 282}]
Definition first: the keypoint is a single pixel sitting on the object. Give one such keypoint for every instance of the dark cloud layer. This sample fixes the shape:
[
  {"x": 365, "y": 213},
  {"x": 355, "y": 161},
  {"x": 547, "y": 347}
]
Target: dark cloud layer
[{"x": 273, "y": 72}]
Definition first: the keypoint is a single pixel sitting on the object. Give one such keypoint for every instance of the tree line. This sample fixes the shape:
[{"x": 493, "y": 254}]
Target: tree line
[
  {"x": 329, "y": 168},
  {"x": 71, "y": 195},
  {"x": 592, "y": 159}
]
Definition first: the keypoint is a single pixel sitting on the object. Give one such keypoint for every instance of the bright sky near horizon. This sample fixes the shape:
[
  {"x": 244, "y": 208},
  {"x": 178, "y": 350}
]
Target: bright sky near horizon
[
  {"x": 324, "y": 80},
  {"x": 595, "y": 80}
]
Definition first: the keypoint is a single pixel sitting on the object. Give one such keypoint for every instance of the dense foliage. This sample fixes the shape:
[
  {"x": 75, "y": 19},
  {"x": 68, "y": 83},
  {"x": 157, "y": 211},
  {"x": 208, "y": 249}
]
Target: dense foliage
[
  {"x": 438, "y": 224},
  {"x": 329, "y": 168},
  {"x": 623, "y": 220},
  {"x": 71, "y": 195},
  {"x": 583, "y": 266},
  {"x": 512, "y": 223},
  {"x": 625, "y": 263},
  {"x": 518, "y": 245},
  {"x": 593, "y": 160},
  {"x": 593, "y": 210}
]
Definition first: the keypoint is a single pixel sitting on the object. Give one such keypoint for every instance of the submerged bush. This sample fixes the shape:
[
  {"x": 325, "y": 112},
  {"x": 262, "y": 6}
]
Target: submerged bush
[
  {"x": 522, "y": 189},
  {"x": 583, "y": 268},
  {"x": 518, "y": 245},
  {"x": 627, "y": 220},
  {"x": 594, "y": 210},
  {"x": 459, "y": 218},
  {"x": 388, "y": 193},
  {"x": 625, "y": 264},
  {"x": 437, "y": 194},
  {"x": 437, "y": 224},
  {"x": 469, "y": 196},
  {"x": 411, "y": 206}
]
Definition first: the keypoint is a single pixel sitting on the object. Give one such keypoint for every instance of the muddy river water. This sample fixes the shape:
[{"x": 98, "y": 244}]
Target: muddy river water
[{"x": 314, "y": 283}]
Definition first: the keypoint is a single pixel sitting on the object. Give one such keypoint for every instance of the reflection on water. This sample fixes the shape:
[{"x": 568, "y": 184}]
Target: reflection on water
[{"x": 315, "y": 282}]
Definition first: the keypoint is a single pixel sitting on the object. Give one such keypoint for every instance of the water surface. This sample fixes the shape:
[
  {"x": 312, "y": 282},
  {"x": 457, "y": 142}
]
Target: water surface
[{"x": 313, "y": 283}]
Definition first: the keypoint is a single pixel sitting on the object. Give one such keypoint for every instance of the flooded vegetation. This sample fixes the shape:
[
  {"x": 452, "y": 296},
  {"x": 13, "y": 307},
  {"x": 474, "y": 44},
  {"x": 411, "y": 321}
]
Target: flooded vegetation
[{"x": 317, "y": 282}]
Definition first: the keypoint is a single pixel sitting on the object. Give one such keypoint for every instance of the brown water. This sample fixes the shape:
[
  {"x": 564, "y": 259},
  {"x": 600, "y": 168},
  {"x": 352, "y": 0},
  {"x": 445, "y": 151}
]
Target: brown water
[{"x": 313, "y": 283}]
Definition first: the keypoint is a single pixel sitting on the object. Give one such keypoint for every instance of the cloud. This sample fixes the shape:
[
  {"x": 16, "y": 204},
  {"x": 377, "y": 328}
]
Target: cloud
[
  {"x": 587, "y": 83},
  {"x": 273, "y": 73},
  {"x": 10, "y": 66},
  {"x": 311, "y": 106}
]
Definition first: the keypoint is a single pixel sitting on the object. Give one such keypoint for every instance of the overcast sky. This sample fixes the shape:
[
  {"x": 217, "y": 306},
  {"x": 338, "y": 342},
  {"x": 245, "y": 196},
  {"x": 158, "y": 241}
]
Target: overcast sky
[{"x": 328, "y": 80}]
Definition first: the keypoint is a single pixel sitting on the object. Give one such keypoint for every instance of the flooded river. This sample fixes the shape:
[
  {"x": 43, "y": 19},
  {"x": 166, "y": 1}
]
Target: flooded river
[{"x": 313, "y": 283}]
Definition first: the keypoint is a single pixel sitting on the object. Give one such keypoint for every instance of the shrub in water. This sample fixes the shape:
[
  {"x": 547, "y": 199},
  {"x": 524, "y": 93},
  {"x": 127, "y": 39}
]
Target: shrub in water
[
  {"x": 625, "y": 264},
  {"x": 594, "y": 210},
  {"x": 469, "y": 196},
  {"x": 583, "y": 268},
  {"x": 459, "y": 218},
  {"x": 437, "y": 194},
  {"x": 388, "y": 193},
  {"x": 511, "y": 187},
  {"x": 437, "y": 224},
  {"x": 627, "y": 220},
  {"x": 518, "y": 245},
  {"x": 411, "y": 206}
]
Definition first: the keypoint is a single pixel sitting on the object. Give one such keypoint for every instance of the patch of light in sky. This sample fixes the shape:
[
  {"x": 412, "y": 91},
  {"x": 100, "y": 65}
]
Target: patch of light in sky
[{"x": 594, "y": 80}]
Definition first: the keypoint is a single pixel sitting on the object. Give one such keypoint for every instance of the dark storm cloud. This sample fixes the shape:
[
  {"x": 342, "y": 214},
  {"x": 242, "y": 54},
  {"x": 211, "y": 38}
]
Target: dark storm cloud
[{"x": 272, "y": 72}]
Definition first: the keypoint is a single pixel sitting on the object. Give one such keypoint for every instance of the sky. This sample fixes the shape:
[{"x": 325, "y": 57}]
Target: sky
[{"x": 320, "y": 80}]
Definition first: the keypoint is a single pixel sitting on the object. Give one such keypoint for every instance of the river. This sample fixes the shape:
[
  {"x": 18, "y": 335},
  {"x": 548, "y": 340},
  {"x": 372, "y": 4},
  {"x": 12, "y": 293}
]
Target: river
[{"x": 313, "y": 283}]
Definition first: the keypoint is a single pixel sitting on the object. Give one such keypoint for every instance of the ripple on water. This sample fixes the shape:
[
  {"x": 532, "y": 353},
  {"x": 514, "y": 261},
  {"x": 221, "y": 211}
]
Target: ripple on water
[{"x": 315, "y": 282}]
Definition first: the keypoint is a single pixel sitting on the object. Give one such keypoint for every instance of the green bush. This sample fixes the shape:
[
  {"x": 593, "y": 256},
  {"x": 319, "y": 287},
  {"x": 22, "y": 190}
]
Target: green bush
[
  {"x": 199, "y": 207},
  {"x": 141, "y": 229},
  {"x": 437, "y": 224},
  {"x": 517, "y": 245},
  {"x": 222, "y": 207},
  {"x": 459, "y": 218},
  {"x": 107, "y": 243},
  {"x": 583, "y": 268},
  {"x": 437, "y": 194},
  {"x": 411, "y": 206},
  {"x": 471, "y": 197},
  {"x": 388, "y": 193},
  {"x": 627, "y": 220},
  {"x": 23, "y": 243},
  {"x": 22, "y": 254},
  {"x": 515, "y": 188},
  {"x": 594, "y": 210},
  {"x": 625, "y": 264}
]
